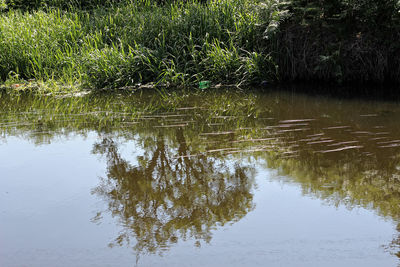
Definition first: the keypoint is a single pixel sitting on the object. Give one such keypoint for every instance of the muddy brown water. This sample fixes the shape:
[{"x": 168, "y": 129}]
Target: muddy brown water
[{"x": 212, "y": 179}]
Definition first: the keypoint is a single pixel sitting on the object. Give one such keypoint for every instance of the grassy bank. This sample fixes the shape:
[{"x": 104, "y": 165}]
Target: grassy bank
[
  {"x": 141, "y": 42},
  {"x": 83, "y": 44}
]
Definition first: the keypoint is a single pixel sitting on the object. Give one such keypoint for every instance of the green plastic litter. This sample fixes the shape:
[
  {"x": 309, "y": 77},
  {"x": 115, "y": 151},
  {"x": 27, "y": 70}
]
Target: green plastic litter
[{"x": 204, "y": 84}]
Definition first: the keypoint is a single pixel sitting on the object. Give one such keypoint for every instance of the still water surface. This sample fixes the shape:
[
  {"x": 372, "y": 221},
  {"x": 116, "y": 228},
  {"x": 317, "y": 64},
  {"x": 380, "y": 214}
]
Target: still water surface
[{"x": 213, "y": 179}]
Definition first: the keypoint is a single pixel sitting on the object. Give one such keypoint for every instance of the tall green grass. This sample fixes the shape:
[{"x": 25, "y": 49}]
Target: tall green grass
[
  {"x": 40, "y": 45},
  {"x": 139, "y": 42}
]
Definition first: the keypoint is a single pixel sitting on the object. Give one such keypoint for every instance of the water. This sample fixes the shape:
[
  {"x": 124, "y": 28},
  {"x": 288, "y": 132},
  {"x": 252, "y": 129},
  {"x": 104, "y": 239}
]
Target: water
[{"x": 212, "y": 179}]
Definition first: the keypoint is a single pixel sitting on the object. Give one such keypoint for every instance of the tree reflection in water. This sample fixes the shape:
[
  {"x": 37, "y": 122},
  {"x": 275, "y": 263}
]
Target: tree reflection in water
[{"x": 170, "y": 195}]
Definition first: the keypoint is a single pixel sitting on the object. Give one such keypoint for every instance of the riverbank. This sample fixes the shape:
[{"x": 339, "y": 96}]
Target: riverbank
[{"x": 55, "y": 46}]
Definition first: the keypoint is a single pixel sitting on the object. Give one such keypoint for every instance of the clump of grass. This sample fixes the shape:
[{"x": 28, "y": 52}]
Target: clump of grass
[
  {"x": 115, "y": 67},
  {"x": 42, "y": 45}
]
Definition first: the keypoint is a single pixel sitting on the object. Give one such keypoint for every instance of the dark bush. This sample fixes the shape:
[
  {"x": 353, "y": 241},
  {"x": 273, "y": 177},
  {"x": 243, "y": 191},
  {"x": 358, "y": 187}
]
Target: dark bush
[
  {"x": 349, "y": 14},
  {"x": 340, "y": 41}
]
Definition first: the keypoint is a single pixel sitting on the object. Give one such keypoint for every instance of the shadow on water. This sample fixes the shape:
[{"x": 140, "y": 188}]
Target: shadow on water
[
  {"x": 383, "y": 92},
  {"x": 197, "y": 155}
]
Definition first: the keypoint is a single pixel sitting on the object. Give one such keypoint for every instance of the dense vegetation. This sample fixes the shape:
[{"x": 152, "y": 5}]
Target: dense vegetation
[
  {"x": 117, "y": 43},
  {"x": 341, "y": 40}
]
